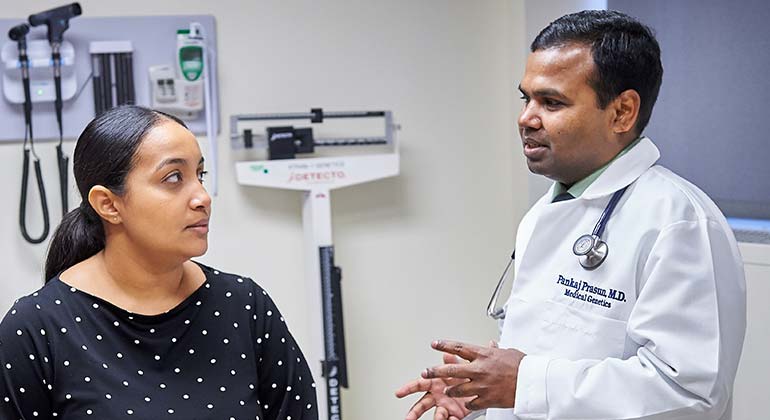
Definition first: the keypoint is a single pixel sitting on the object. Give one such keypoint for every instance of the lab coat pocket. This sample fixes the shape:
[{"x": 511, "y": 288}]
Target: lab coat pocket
[{"x": 577, "y": 334}]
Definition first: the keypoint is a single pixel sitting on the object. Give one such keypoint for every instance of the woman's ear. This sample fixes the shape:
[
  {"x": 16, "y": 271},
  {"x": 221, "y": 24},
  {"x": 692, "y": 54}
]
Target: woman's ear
[
  {"x": 103, "y": 202},
  {"x": 626, "y": 111}
]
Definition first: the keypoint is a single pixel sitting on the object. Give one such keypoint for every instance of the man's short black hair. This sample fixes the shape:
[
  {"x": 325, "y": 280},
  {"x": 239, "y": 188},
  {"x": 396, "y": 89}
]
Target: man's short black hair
[{"x": 625, "y": 52}]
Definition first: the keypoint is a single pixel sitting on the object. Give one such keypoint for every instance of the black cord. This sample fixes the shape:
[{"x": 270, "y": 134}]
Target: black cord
[
  {"x": 107, "y": 81},
  {"x": 18, "y": 34},
  {"x": 25, "y": 181},
  {"x": 23, "y": 203},
  {"x": 130, "y": 76},
  {"x": 62, "y": 159}
]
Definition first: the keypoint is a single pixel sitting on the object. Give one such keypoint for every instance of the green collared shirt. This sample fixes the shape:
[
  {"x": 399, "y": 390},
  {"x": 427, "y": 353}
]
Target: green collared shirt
[{"x": 578, "y": 188}]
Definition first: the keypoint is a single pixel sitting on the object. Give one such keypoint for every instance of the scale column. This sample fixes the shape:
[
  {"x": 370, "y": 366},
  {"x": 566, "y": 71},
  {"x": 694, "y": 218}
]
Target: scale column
[{"x": 321, "y": 277}]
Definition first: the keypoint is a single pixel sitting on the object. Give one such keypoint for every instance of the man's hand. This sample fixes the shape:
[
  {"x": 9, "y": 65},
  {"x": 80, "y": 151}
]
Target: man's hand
[
  {"x": 447, "y": 408},
  {"x": 490, "y": 376}
]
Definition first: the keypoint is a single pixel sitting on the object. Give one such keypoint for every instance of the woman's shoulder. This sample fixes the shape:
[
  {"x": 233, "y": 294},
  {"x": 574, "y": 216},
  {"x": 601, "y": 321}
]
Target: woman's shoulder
[
  {"x": 30, "y": 311},
  {"x": 239, "y": 291},
  {"x": 220, "y": 278}
]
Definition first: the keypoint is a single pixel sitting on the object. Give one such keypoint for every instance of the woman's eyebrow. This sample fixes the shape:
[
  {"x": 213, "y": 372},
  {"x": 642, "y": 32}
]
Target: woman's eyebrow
[
  {"x": 175, "y": 161},
  {"x": 171, "y": 161}
]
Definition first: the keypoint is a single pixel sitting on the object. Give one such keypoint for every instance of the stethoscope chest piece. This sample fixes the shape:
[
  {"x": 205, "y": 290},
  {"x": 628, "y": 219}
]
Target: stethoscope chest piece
[{"x": 591, "y": 250}]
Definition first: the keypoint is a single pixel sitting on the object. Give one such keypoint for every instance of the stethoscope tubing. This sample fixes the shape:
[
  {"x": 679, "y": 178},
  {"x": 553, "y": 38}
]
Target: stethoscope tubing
[
  {"x": 492, "y": 310},
  {"x": 601, "y": 225}
]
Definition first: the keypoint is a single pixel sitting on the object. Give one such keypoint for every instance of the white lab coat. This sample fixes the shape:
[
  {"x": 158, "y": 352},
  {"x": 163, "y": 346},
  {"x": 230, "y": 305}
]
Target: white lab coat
[{"x": 656, "y": 331}]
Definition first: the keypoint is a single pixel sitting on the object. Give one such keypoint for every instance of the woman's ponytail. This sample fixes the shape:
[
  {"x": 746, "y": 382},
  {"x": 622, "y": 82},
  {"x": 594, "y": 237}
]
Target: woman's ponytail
[{"x": 80, "y": 235}]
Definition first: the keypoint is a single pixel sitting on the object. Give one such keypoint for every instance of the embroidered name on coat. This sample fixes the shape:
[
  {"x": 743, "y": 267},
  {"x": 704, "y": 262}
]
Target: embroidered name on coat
[{"x": 582, "y": 290}]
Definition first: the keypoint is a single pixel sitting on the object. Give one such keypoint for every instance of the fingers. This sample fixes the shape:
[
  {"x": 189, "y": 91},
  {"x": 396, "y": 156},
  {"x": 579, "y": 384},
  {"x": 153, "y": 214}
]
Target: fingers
[
  {"x": 418, "y": 385},
  {"x": 420, "y": 407},
  {"x": 455, "y": 406},
  {"x": 464, "y": 390},
  {"x": 475, "y": 404},
  {"x": 440, "y": 414},
  {"x": 450, "y": 359},
  {"x": 463, "y": 371},
  {"x": 464, "y": 350}
]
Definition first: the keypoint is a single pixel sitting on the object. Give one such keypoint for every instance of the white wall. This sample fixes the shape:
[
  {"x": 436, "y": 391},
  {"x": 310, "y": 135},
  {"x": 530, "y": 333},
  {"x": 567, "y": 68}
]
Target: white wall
[{"x": 420, "y": 253}]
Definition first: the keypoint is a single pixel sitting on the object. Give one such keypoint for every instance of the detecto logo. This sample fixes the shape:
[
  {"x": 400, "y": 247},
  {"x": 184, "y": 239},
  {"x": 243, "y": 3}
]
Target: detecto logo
[
  {"x": 334, "y": 394},
  {"x": 319, "y": 177}
]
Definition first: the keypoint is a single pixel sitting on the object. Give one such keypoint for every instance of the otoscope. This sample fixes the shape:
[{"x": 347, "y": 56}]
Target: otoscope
[
  {"x": 57, "y": 21},
  {"x": 19, "y": 34}
]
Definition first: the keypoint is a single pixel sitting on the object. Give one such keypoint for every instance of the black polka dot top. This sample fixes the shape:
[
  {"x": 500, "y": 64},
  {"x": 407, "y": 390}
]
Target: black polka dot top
[{"x": 225, "y": 352}]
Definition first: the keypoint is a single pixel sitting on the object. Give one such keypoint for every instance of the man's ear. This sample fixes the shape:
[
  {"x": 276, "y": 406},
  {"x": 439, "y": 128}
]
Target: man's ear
[
  {"x": 103, "y": 202},
  {"x": 626, "y": 106}
]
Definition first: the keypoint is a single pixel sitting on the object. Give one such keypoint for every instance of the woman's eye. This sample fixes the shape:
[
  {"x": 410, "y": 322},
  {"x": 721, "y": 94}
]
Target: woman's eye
[
  {"x": 202, "y": 176},
  {"x": 174, "y": 178}
]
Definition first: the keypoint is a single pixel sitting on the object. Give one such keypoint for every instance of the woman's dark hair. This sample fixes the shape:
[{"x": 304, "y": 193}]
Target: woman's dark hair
[
  {"x": 625, "y": 52},
  {"x": 104, "y": 155}
]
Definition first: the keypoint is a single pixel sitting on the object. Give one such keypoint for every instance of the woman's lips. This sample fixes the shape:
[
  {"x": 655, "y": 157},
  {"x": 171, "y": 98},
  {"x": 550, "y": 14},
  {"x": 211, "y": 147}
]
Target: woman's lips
[{"x": 201, "y": 227}]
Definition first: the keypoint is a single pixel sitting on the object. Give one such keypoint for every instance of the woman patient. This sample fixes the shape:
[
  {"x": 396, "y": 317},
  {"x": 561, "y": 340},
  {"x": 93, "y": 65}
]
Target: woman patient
[{"x": 127, "y": 326}]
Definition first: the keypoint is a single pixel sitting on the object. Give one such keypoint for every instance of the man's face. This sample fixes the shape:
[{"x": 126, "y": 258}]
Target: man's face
[{"x": 566, "y": 136}]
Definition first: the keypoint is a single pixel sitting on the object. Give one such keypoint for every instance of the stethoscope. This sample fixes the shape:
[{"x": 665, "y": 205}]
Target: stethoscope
[{"x": 590, "y": 249}]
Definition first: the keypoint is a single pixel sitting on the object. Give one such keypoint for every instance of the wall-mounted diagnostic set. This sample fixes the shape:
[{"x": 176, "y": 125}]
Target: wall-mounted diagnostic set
[
  {"x": 45, "y": 77},
  {"x": 30, "y": 64}
]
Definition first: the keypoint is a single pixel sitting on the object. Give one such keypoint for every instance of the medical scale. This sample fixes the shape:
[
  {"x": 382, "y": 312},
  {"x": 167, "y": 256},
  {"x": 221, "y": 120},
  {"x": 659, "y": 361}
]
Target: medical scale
[{"x": 316, "y": 177}]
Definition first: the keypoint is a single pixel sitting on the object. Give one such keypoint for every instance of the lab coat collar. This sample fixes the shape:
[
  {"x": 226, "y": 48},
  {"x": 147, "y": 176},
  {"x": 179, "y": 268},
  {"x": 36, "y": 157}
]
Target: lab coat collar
[{"x": 624, "y": 170}]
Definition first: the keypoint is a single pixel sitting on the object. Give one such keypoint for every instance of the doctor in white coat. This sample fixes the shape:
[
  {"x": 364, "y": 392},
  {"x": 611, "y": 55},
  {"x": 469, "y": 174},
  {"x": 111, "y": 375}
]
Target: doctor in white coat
[{"x": 653, "y": 332}]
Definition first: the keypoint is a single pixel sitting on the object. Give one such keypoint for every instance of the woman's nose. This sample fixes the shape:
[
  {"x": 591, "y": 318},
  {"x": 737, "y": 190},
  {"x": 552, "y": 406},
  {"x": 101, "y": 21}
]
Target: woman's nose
[{"x": 201, "y": 198}]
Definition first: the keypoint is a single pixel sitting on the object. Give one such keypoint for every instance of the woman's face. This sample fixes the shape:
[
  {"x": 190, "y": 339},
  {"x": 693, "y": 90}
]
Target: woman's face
[{"x": 165, "y": 209}]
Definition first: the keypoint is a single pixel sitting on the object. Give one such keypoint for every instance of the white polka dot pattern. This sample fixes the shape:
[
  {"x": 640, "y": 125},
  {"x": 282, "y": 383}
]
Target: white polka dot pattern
[{"x": 224, "y": 351}]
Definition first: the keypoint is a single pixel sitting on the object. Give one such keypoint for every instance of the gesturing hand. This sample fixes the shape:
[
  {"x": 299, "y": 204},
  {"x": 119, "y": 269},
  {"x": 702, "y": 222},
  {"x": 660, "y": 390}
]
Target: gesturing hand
[
  {"x": 490, "y": 376},
  {"x": 447, "y": 408}
]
